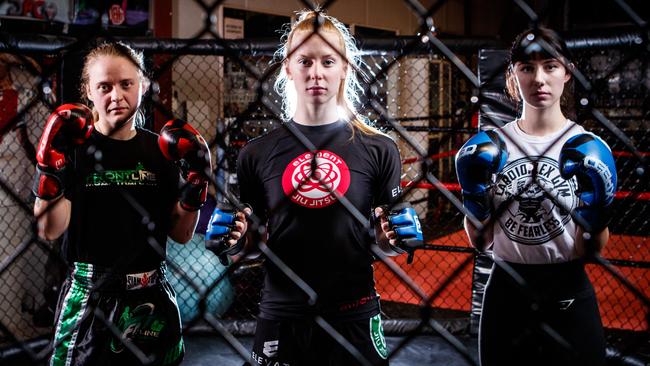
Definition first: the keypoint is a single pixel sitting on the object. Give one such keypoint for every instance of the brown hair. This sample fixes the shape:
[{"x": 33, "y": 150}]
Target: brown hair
[
  {"x": 117, "y": 49},
  {"x": 348, "y": 95},
  {"x": 540, "y": 43}
]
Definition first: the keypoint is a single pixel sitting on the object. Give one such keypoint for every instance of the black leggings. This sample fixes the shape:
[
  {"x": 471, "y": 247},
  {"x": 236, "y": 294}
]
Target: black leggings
[{"x": 553, "y": 320}]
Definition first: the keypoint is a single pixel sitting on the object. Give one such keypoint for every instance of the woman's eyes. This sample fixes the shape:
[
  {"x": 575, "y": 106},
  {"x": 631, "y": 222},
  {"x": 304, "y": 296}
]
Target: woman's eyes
[
  {"x": 549, "y": 67},
  {"x": 107, "y": 88},
  {"x": 309, "y": 62}
]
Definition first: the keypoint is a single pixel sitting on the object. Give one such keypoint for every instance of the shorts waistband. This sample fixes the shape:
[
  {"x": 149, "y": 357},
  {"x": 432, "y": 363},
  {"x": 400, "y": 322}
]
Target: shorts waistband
[
  {"x": 556, "y": 279},
  {"x": 101, "y": 278},
  {"x": 560, "y": 269}
]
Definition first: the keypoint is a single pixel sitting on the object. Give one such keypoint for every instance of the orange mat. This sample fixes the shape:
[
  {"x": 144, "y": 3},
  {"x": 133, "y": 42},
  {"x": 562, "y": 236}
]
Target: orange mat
[{"x": 619, "y": 307}]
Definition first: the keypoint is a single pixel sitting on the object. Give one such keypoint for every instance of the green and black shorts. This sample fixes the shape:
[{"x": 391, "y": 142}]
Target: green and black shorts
[{"x": 105, "y": 318}]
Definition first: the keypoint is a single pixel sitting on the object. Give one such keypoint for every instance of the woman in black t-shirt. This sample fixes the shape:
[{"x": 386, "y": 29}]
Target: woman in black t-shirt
[
  {"x": 112, "y": 191},
  {"x": 314, "y": 182}
]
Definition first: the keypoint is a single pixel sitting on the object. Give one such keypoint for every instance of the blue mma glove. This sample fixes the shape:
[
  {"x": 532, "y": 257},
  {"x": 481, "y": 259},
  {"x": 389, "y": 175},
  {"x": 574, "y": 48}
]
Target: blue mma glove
[
  {"x": 403, "y": 219},
  {"x": 218, "y": 232},
  {"x": 589, "y": 158},
  {"x": 483, "y": 155}
]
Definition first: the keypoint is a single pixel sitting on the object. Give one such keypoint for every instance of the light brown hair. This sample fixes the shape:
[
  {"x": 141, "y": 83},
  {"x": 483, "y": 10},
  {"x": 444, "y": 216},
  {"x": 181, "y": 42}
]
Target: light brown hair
[{"x": 117, "y": 49}]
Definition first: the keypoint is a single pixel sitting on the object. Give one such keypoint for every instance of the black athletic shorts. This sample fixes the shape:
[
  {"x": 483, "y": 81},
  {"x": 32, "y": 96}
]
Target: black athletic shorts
[
  {"x": 553, "y": 320},
  {"x": 297, "y": 342},
  {"x": 141, "y": 306}
]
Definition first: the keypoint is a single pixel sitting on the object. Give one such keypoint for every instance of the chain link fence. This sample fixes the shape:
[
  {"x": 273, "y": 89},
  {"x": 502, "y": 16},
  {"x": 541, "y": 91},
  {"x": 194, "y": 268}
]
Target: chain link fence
[{"x": 422, "y": 90}]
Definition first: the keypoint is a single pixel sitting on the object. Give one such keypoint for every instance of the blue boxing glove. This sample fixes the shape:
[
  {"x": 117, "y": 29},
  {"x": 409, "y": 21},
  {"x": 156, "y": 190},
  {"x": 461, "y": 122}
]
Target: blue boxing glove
[
  {"x": 404, "y": 221},
  {"x": 218, "y": 236},
  {"x": 589, "y": 158},
  {"x": 482, "y": 156}
]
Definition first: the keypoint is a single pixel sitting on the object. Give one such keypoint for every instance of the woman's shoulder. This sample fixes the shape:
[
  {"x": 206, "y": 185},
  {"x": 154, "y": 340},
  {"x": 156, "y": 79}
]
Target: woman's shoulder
[
  {"x": 574, "y": 128},
  {"x": 376, "y": 137},
  {"x": 147, "y": 134},
  {"x": 147, "y": 138},
  {"x": 260, "y": 144},
  {"x": 377, "y": 144},
  {"x": 508, "y": 126}
]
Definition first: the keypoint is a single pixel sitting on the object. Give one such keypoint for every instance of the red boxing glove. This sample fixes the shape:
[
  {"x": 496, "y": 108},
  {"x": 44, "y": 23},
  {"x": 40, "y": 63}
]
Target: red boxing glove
[
  {"x": 181, "y": 143},
  {"x": 69, "y": 125}
]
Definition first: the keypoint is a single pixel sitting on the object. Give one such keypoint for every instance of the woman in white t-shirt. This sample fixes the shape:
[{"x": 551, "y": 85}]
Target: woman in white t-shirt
[{"x": 539, "y": 306}]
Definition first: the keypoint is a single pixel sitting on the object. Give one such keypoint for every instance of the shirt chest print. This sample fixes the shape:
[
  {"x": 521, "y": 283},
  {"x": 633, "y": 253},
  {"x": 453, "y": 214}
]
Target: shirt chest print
[
  {"x": 538, "y": 209},
  {"x": 139, "y": 176},
  {"x": 315, "y": 180}
]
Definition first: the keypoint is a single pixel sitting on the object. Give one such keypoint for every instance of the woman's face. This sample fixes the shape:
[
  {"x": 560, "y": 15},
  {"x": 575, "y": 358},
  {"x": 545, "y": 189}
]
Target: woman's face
[
  {"x": 115, "y": 87},
  {"x": 317, "y": 70},
  {"x": 541, "y": 82}
]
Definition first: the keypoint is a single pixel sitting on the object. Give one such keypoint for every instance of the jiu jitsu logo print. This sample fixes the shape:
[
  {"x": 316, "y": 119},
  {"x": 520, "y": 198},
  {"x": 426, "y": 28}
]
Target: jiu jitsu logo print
[
  {"x": 533, "y": 217},
  {"x": 311, "y": 183}
]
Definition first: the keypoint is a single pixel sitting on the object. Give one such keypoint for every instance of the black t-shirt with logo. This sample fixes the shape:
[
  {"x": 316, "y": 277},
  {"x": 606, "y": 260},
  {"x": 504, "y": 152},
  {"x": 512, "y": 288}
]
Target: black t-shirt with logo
[
  {"x": 311, "y": 230},
  {"x": 122, "y": 194}
]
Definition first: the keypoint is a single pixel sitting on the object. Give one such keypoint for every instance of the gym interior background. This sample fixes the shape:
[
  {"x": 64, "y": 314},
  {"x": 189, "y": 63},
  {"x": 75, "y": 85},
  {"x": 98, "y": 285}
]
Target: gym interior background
[{"x": 426, "y": 84}]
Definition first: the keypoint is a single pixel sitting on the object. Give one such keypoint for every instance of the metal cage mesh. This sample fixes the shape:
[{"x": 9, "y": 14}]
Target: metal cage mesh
[{"x": 423, "y": 91}]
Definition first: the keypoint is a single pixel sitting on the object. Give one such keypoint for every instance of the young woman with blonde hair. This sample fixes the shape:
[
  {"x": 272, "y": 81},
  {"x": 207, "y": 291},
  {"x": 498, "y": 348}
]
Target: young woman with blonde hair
[{"x": 297, "y": 189}]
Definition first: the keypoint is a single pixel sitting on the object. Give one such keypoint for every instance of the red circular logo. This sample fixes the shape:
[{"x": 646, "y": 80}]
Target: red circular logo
[
  {"x": 116, "y": 14},
  {"x": 315, "y": 189}
]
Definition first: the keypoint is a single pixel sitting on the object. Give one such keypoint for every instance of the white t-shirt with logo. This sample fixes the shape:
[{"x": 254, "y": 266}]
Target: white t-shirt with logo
[{"x": 535, "y": 227}]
